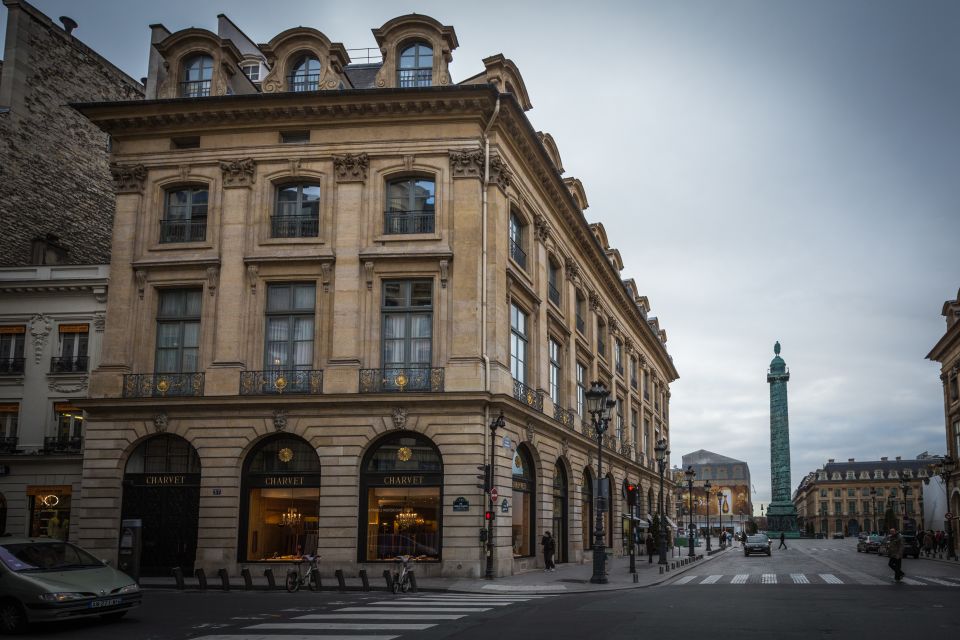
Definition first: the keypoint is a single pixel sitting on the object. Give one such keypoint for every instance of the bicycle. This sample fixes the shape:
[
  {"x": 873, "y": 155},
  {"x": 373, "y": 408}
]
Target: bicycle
[
  {"x": 297, "y": 578},
  {"x": 401, "y": 581}
]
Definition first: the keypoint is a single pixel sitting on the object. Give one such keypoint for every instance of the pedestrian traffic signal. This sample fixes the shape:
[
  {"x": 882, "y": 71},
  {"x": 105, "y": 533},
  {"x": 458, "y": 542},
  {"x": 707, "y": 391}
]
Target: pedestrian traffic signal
[
  {"x": 632, "y": 494},
  {"x": 485, "y": 478},
  {"x": 489, "y": 515}
]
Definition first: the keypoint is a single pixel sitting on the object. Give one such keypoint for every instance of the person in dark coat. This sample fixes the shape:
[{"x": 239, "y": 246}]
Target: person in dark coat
[
  {"x": 783, "y": 541},
  {"x": 549, "y": 547},
  {"x": 650, "y": 547},
  {"x": 895, "y": 551}
]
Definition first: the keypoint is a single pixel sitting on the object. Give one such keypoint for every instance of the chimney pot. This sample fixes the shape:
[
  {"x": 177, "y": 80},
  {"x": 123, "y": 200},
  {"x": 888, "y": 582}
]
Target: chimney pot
[
  {"x": 69, "y": 24},
  {"x": 898, "y": 457},
  {"x": 883, "y": 459},
  {"x": 849, "y": 459},
  {"x": 830, "y": 460}
]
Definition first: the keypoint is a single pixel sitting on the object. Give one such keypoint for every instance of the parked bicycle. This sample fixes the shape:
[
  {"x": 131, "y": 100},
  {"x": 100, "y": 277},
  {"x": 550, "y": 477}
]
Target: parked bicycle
[
  {"x": 401, "y": 580},
  {"x": 308, "y": 576}
]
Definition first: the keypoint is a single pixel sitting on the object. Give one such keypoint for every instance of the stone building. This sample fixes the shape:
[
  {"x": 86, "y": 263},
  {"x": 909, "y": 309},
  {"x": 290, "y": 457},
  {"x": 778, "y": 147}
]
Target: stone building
[
  {"x": 327, "y": 280},
  {"x": 845, "y": 498},
  {"x": 728, "y": 477},
  {"x": 56, "y": 196},
  {"x": 947, "y": 353}
]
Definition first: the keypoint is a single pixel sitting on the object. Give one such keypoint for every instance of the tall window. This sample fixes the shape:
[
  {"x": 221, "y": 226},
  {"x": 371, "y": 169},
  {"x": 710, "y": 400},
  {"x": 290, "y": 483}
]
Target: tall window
[
  {"x": 297, "y": 212},
  {"x": 602, "y": 339},
  {"x": 9, "y": 423},
  {"x": 178, "y": 331},
  {"x": 646, "y": 385},
  {"x": 581, "y": 390},
  {"x": 581, "y": 312},
  {"x": 954, "y": 388},
  {"x": 290, "y": 317},
  {"x": 72, "y": 349},
  {"x": 635, "y": 427},
  {"x": 11, "y": 349},
  {"x": 646, "y": 438},
  {"x": 956, "y": 437},
  {"x": 416, "y": 66},
  {"x": 554, "y": 352},
  {"x": 407, "y": 328},
  {"x": 633, "y": 372},
  {"x": 410, "y": 206},
  {"x": 197, "y": 76},
  {"x": 553, "y": 282},
  {"x": 69, "y": 421},
  {"x": 185, "y": 215},
  {"x": 305, "y": 74},
  {"x": 518, "y": 344},
  {"x": 618, "y": 356},
  {"x": 517, "y": 233},
  {"x": 620, "y": 419}
]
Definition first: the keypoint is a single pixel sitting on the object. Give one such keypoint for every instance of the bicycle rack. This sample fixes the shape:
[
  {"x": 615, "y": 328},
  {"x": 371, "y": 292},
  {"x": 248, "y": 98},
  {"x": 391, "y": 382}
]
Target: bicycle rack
[
  {"x": 201, "y": 578},
  {"x": 271, "y": 580},
  {"x": 365, "y": 580},
  {"x": 224, "y": 579}
]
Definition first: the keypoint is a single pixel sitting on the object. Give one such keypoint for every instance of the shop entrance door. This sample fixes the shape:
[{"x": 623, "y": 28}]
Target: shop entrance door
[
  {"x": 169, "y": 507},
  {"x": 560, "y": 513}
]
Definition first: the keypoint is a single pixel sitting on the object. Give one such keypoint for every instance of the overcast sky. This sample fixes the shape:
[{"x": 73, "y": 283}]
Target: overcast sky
[{"x": 768, "y": 170}]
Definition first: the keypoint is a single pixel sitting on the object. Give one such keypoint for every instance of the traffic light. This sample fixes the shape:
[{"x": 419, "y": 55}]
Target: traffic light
[
  {"x": 489, "y": 515},
  {"x": 484, "y": 477},
  {"x": 632, "y": 494}
]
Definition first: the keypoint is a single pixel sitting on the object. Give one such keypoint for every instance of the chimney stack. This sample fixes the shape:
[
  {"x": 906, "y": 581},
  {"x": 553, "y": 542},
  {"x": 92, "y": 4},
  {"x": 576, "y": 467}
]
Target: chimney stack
[
  {"x": 830, "y": 460},
  {"x": 883, "y": 459},
  {"x": 69, "y": 24},
  {"x": 898, "y": 458},
  {"x": 849, "y": 459}
]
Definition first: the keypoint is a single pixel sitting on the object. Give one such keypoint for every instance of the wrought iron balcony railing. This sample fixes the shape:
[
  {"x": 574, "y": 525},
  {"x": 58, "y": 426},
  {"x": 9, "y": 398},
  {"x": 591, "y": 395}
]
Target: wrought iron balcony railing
[
  {"x": 183, "y": 230},
  {"x": 279, "y": 382},
  {"x": 400, "y": 222},
  {"x": 11, "y": 366},
  {"x": 69, "y": 364},
  {"x": 566, "y": 417},
  {"x": 528, "y": 395},
  {"x": 402, "y": 379},
  {"x": 195, "y": 89},
  {"x": 518, "y": 254},
  {"x": 303, "y": 82},
  {"x": 298, "y": 226},
  {"x": 162, "y": 385},
  {"x": 59, "y": 444},
  {"x": 553, "y": 294},
  {"x": 8, "y": 444},
  {"x": 414, "y": 78}
]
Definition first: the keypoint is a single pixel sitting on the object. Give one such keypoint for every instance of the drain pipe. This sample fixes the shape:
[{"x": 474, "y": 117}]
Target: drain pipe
[{"x": 483, "y": 254}]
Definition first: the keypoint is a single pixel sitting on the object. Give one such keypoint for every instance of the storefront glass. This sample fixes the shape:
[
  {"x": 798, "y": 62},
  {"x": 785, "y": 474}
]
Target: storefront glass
[
  {"x": 402, "y": 494},
  {"x": 49, "y": 511},
  {"x": 524, "y": 492}
]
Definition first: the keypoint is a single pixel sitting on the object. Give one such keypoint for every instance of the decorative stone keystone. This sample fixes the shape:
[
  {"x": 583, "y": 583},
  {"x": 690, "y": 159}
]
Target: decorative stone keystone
[
  {"x": 238, "y": 173},
  {"x": 351, "y": 167}
]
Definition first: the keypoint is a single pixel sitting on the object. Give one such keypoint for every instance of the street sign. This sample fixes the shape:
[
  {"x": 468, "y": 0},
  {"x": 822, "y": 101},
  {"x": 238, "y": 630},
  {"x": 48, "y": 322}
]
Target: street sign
[
  {"x": 461, "y": 504},
  {"x": 504, "y": 506},
  {"x": 507, "y": 444},
  {"x": 494, "y": 493}
]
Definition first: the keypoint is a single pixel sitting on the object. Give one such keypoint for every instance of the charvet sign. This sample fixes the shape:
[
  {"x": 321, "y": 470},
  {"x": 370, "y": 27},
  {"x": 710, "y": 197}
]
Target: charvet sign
[
  {"x": 406, "y": 480},
  {"x": 283, "y": 481}
]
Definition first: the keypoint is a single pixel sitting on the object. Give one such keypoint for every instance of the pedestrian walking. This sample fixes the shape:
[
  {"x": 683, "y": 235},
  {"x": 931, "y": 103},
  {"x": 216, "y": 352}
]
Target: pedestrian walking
[
  {"x": 783, "y": 541},
  {"x": 928, "y": 543},
  {"x": 649, "y": 548},
  {"x": 895, "y": 551},
  {"x": 549, "y": 546}
]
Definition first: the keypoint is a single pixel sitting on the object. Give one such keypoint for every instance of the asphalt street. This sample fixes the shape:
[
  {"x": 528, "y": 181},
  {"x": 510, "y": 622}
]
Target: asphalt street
[{"x": 814, "y": 589}]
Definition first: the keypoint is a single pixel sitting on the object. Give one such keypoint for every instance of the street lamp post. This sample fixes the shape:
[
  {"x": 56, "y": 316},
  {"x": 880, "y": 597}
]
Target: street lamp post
[
  {"x": 661, "y": 452},
  {"x": 903, "y": 503},
  {"x": 495, "y": 424},
  {"x": 599, "y": 406},
  {"x": 720, "y": 511},
  {"x": 873, "y": 495},
  {"x": 944, "y": 469},
  {"x": 690, "y": 473},
  {"x": 706, "y": 488}
]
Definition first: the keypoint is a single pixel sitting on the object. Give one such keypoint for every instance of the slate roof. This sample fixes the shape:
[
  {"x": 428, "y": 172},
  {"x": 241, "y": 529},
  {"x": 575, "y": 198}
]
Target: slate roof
[
  {"x": 703, "y": 456},
  {"x": 362, "y": 76}
]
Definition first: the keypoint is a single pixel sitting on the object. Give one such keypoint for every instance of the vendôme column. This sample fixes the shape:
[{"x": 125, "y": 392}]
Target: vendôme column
[{"x": 782, "y": 514}]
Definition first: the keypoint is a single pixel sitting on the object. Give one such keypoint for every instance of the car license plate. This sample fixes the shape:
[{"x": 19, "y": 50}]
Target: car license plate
[{"x": 96, "y": 604}]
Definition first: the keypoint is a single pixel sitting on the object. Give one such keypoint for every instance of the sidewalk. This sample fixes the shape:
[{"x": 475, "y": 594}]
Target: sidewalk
[{"x": 568, "y": 578}]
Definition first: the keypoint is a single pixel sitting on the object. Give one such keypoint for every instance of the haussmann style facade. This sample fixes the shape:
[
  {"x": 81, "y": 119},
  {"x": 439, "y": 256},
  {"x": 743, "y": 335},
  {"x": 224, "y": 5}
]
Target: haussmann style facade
[{"x": 327, "y": 280}]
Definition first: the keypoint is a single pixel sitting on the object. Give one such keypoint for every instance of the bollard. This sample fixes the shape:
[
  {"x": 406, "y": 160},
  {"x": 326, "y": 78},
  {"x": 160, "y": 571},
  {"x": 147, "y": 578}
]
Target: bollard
[
  {"x": 271, "y": 581},
  {"x": 661, "y": 569},
  {"x": 341, "y": 583},
  {"x": 201, "y": 578},
  {"x": 413, "y": 582},
  {"x": 365, "y": 580},
  {"x": 389, "y": 579},
  {"x": 178, "y": 576},
  {"x": 247, "y": 579},
  {"x": 636, "y": 578},
  {"x": 224, "y": 579}
]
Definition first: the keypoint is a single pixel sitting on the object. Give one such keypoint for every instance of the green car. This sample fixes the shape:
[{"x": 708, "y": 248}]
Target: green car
[{"x": 44, "y": 580}]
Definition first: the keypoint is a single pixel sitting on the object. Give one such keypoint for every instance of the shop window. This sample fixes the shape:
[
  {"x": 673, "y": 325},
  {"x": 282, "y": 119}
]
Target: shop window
[
  {"x": 281, "y": 500},
  {"x": 524, "y": 507},
  {"x": 401, "y": 499},
  {"x": 411, "y": 206},
  {"x": 49, "y": 511}
]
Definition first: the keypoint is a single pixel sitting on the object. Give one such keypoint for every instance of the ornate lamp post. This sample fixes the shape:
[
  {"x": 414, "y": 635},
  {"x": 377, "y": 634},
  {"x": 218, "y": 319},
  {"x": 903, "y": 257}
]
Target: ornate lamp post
[
  {"x": 706, "y": 489},
  {"x": 720, "y": 509},
  {"x": 495, "y": 424},
  {"x": 661, "y": 452},
  {"x": 876, "y": 523},
  {"x": 689, "y": 474},
  {"x": 944, "y": 468},
  {"x": 599, "y": 406},
  {"x": 903, "y": 503}
]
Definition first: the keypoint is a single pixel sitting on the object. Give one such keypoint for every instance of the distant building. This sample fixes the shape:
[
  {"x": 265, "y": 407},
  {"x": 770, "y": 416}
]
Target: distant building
[
  {"x": 849, "y": 497},
  {"x": 730, "y": 476}
]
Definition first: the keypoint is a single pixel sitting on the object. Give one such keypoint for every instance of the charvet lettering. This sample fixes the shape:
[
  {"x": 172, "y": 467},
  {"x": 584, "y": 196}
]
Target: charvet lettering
[
  {"x": 519, "y": 484},
  {"x": 284, "y": 481},
  {"x": 403, "y": 480},
  {"x": 165, "y": 479}
]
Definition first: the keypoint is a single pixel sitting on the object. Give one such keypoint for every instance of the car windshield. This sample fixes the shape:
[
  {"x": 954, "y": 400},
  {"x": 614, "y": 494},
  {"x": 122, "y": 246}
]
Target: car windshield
[
  {"x": 45, "y": 556},
  {"x": 762, "y": 539},
  {"x": 876, "y": 538}
]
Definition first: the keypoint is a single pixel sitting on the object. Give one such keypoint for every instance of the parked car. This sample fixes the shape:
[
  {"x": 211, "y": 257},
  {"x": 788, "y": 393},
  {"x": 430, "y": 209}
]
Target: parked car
[
  {"x": 45, "y": 579},
  {"x": 870, "y": 544},
  {"x": 911, "y": 548},
  {"x": 838, "y": 535},
  {"x": 757, "y": 544}
]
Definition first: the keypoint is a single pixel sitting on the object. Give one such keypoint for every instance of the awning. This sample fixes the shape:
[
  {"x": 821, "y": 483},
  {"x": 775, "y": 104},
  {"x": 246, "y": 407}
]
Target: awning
[{"x": 673, "y": 525}]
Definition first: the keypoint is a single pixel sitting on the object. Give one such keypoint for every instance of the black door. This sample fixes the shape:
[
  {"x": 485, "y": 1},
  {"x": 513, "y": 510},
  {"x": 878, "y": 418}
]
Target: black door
[{"x": 170, "y": 515}]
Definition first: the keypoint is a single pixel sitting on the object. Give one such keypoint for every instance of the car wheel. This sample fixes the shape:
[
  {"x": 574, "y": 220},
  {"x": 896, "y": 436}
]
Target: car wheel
[
  {"x": 13, "y": 619},
  {"x": 116, "y": 615},
  {"x": 769, "y": 553},
  {"x": 746, "y": 555}
]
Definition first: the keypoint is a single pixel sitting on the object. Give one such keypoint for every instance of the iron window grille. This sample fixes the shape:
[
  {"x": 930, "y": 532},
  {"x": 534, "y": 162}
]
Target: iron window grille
[
  {"x": 411, "y": 206},
  {"x": 407, "y": 335}
]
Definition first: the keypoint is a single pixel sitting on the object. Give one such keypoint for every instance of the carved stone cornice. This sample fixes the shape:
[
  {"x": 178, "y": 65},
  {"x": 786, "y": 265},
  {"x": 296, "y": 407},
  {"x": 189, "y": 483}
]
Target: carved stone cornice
[
  {"x": 541, "y": 227},
  {"x": 238, "y": 173},
  {"x": 500, "y": 173},
  {"x": 614, "y": 324},
  {"x": 467, "y": 163},
  {"x": 128, "y": 178},
  {"x": 629, "y": 344},
  {"x": 351, "y": 167}
]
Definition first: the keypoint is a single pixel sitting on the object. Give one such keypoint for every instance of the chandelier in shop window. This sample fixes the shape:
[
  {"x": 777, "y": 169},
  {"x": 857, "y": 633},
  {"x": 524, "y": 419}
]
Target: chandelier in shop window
[
  {"x": 408, "y": 518},
  {"x": 290, "y": 518}
]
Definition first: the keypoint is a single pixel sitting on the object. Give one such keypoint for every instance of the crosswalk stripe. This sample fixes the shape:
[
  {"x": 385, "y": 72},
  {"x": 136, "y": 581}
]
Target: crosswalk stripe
[
  {"x": 710, "y": 579},
  {"x": 380, "y": 616},
  {"x": 685, "y": 579},
  {"x": 415, "y": 609},
  {"x": 740, "y": 578},
  {"x": 938, "y": 581},
  {"x": 274, "y": 636},
  {"x": 799, "y": 578},
  {"x": 829, "y": 578},
  {"x": 341, "y": 626},
  {"x": 768, "y": 578},
  {"x": 440, "y": 603},
  {"x": 913, "y": 583}
]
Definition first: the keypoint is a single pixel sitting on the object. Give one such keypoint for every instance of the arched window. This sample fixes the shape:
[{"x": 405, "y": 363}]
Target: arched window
[
  {"x": 416, "y": 66},
  {"x": 280, "y": 500},
  {"x": 524, "y": 507},
  {"x": 411, "y": 204},
  {"x": 401, "y": 498},
  {"x": 184, "y": 215},
  {"x": 197, "y": 76},
  {"x": 560, "y": 512},
  {"x": 297, "y": 211},
  {"x": 304, "y": 74}
]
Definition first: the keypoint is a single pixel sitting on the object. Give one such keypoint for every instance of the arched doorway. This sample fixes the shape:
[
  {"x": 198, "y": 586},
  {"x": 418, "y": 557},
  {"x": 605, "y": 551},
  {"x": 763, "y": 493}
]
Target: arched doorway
[
  {"x": 161, "y": 488},
  {"x": 401, "y": 498},
  {"x": 560, "y": 511},
  {"x": 853, "y": 528},
  {"x": 524, "y": 504},
  {"x": 279, "y": 500},
  {"x": 586, "y": 510}
]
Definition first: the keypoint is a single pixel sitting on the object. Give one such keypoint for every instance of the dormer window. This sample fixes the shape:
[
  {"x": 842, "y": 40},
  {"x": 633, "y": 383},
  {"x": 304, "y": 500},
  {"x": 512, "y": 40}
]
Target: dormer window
[
  {"x": 878, "y": 474},
  {"x": 251, "y": 69},
  {"x": 197, "y": 76},
  {"x": 304, "y": 74},
  {"x": 416, "y": 66}
]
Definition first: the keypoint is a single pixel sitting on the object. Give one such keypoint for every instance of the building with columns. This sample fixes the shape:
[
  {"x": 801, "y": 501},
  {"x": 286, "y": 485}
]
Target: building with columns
[{"x": 327, "y": 280}]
